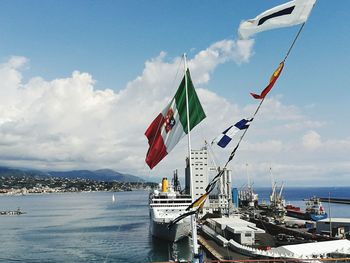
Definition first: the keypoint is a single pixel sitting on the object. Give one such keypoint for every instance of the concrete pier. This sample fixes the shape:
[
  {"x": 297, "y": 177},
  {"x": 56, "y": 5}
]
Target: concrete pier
[
  {"x": 216, "y": 251},
  {"x": 335, "y": 200}
]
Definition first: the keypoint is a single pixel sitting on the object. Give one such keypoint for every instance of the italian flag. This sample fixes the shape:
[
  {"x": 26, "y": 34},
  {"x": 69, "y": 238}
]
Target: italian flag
[{"x": 170, "y": 125}]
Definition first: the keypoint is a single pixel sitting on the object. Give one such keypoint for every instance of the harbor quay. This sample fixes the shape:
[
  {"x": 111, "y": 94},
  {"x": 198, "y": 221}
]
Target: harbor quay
[{"x": 233, "y": 226}]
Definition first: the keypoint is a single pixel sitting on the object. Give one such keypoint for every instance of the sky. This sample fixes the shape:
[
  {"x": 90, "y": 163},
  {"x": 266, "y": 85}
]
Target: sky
[{"x": 80, "y": 81}]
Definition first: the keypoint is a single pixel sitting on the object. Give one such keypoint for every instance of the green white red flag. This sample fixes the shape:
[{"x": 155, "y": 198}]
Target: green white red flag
[{"x": 170, "y": 125}]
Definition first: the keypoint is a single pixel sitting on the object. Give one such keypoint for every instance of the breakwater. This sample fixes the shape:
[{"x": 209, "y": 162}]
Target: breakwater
[{"x": 344, "y": 201}]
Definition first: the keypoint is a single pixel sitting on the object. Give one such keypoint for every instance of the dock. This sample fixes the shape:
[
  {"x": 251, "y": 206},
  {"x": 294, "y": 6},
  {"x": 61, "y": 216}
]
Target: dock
[
  {"x": 299, "y": 233},
  {"x": 216, "y": 251},
  {"x": 209, "y": 249}
]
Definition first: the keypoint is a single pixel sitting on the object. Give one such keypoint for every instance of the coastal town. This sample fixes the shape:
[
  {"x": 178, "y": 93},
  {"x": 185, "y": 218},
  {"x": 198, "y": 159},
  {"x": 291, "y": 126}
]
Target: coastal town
[{"x": 22, "y": 185}]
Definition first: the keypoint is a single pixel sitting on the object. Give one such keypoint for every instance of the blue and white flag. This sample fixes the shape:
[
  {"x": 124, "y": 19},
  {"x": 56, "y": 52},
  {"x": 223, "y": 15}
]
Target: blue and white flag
[{"x": 226, "y": 136}]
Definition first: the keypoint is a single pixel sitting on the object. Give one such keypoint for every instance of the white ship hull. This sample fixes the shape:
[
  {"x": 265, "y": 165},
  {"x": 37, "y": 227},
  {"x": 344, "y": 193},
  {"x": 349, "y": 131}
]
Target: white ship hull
[
  {"x": 164, "y": 208},
  {"x": 175, "y": 233}
]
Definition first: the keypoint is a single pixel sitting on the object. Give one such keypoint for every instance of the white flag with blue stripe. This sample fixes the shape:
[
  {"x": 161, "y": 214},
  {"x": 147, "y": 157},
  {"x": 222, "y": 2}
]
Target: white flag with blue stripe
[{"x": 226, "y": 136}]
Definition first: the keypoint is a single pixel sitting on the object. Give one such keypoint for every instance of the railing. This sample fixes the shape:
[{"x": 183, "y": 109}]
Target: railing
[
  {"x": 336, "y": 260},
  {"x": 280, "y": 260}
]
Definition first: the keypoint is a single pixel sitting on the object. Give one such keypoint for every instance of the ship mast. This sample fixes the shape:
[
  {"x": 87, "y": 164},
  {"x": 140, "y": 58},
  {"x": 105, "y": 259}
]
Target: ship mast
[{"x": 193, "y": 217}]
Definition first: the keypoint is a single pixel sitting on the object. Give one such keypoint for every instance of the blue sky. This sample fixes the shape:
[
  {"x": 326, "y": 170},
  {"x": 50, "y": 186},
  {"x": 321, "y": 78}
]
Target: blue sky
[
  {"x": 113, "y": 39},
  {"x": 115, "y": 42}
]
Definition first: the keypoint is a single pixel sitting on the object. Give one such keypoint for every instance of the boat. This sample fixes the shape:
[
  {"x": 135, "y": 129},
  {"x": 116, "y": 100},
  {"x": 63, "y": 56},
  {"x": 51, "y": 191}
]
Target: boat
[
  {"x": 12, "y": 212},
  {"x": 314, "y": 210},
  {"x": 113, "y": 199},
  {"x": 295, "y": 211},
  {"x": 167, "y": 203}
]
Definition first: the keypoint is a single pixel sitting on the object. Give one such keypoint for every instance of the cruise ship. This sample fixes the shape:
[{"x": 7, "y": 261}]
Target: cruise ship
[{"x": 167, "y": 203}]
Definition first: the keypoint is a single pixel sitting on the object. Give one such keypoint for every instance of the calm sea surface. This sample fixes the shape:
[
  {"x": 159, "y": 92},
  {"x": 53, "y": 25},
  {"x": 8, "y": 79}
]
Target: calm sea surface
[{"x": 88, "y": 227}]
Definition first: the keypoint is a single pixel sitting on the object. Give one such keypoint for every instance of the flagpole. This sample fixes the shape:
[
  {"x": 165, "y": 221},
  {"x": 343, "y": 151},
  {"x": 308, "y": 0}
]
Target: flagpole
[{"x": 193, "y": 217}]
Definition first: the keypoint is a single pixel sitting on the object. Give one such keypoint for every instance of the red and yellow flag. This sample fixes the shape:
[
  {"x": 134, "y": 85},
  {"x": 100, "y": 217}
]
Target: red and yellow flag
[{"x": 273, "y": 79}]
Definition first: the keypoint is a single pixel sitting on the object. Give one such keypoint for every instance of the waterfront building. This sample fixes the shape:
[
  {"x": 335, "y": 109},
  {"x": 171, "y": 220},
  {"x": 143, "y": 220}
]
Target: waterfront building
[
  {"x": 339, "y": 226},
  {"x": 199, "y": 163}
]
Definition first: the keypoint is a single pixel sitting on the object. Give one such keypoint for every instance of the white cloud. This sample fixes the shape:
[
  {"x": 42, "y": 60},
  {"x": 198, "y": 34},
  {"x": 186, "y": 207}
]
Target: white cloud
[
  {"x": 220, "y": 52},
  {"x": 66, "y": 123},
  {"x": 312, "y": 140}
]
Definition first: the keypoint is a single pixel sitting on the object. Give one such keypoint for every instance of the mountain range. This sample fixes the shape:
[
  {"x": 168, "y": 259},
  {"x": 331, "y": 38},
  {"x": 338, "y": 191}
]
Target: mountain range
[{"x": 97, "y": 175}]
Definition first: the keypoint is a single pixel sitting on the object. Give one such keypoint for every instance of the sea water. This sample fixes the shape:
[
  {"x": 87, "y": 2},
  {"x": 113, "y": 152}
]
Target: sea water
[
  {"x": 82, "y": 227},
  {"x": 89, "y": 227}
]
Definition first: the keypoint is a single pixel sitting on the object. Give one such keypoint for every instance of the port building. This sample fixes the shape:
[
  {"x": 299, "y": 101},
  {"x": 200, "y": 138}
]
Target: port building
[
  {"x": 235, "y": 228},
  {"x": 339, "y": 226}
]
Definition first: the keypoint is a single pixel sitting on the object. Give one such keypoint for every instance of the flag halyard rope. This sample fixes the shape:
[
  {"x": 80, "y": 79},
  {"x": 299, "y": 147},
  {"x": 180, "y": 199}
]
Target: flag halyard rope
[{"x": 212, "y": 183}]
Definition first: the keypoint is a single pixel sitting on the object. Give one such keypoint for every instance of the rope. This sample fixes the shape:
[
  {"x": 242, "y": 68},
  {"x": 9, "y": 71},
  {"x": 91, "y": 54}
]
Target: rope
[
  {"x": 212, "y": 184},
  {"x": 295, "y": 39}
]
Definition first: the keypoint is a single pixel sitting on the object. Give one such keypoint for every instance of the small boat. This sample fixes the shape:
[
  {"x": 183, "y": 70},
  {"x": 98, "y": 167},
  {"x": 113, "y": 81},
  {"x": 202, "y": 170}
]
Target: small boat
[
  {"x": 12, "y": 212},
  {"x": 113, "y": 198}
]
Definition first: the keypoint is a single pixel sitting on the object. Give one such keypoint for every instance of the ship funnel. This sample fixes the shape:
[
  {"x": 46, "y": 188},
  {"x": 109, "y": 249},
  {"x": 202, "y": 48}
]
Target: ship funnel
[{"x": 165, "y": 185}]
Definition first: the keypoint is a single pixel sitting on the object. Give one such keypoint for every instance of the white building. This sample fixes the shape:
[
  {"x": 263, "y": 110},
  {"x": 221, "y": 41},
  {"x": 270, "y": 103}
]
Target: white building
[
  {"x": 235, "y": 228},
  {"x": 224, "y": 193},
  {"x": 221, "y": 201},
  {"x": 199, "y": 163}
]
